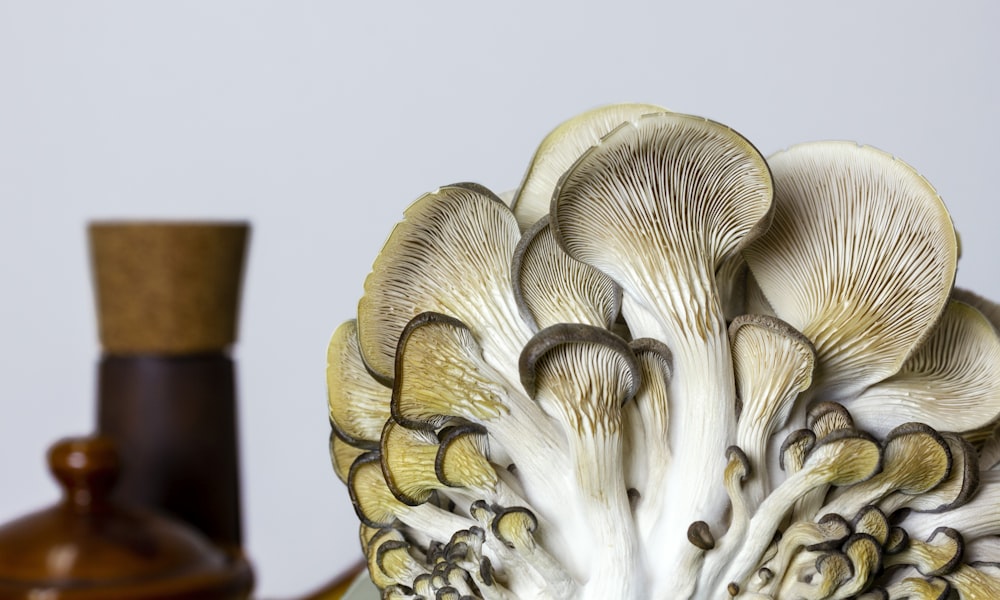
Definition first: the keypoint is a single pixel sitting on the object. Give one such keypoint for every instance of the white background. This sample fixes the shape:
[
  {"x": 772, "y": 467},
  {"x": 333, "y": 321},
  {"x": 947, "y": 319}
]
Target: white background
[{"x": 321, "y": 121}]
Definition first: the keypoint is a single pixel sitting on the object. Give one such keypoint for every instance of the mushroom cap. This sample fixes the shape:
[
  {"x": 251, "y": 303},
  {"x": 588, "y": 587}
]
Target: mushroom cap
[
  {"x": 916, "y": 459},
  {"x": 561, "y": 148},
  {"x": 658, "y": 204},
  {"x": 408, "y": 462},
  {"x": 951, "y": 381},
  {"x": 440, "y": 375},
  {"x": 452, "y": 255},
  {"x": 551, "y": 288},
  {"x": 343, "y": 455},
  {"x": 860, "y": 257},
  {"x": 358, "y": 404},
  {"x": 773, "y": 364}
]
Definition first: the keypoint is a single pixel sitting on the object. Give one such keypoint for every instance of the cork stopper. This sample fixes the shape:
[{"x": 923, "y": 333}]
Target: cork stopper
[{"x": 167, "y": 287}]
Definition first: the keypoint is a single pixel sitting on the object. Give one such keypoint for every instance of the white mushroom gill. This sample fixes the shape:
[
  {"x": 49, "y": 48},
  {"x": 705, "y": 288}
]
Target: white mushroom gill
[{"x": 674, "y": 370}]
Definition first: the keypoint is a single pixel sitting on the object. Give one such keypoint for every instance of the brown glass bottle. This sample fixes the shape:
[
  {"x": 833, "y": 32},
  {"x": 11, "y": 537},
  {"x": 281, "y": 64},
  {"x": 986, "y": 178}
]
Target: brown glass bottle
[{"x": 168, "y": 298}]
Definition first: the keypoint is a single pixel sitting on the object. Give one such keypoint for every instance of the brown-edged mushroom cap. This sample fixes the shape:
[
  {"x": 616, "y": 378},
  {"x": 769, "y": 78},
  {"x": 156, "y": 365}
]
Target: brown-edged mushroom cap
[
  {"x": 462, "y": 457},
  {"x": 451, "y": 254},
  {"x": 359, "y": 405},
  {"x": 825, "y": 417},
  {"x": 865, "y": 554},
  {"x": 561, "y": 148},
  {"x": 773, "y": 364},
  {"x": 829, "y": 532},
  {"x": 815, "y": 575},
  {"x": 390, "y": 561},
  {"x": 795, "y": 448},
  {"x": 843, "y": 458},
  {"x": 952, "y": 380},
  {"x": 939, "y": 555},
  {"x": 409, "y": 457},
  {"x": 581, "y": 376},
  {"x": 738, "y": 470},
  {"x": 897, "y": 541},
  {"x": 860, "y": 257},
  {"x": 958, "y": 488},
  {"x": 440, "y": 374},
  {"x": 515, "y": 527},
  {"x": 343, "y": 455},
  {"x": 441, "y": 377},
  {"x": 977, "y": 518},
  {"x": 550, "y": 287},
  {"x": 657, "y": 205},
  {"x": 872, "y": 521},
  {"x": 529, "y": 570},
  {"x": 917, "y": 458},
  {"x": 376, "y": 506}
]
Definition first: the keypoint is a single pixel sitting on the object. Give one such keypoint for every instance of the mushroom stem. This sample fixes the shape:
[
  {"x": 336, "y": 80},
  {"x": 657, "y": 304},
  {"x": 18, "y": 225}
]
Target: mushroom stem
[
  {"x": 839, "y": 459},
  {"x": 658, "y": 205},
  {"x": 581, "y": 375}
]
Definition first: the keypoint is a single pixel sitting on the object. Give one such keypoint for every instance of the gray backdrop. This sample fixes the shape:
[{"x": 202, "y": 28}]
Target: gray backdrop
[{"x": 321, "y": 121}]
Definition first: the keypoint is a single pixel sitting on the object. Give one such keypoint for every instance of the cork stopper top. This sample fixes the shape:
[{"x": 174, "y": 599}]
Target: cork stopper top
[{"x": 167, "y": 287}]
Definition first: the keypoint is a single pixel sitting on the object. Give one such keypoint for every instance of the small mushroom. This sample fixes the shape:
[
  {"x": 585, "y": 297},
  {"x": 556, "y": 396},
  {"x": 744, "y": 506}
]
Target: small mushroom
[
  {"x": 865, "y": 555},
  {"x": 916, "y": 459},
  {"x": 417, "y": 464},
  {"x": 441, "y": 376},
  {"x": 515, "y": 528},
  {"x": 822, "y": 577},
  {"x": 773, "y": 364},
  {"x": 958, "y": 488},
  {"x": 938, "y": 556},
  {"x": 872, "y": 521},
  {"x": 376, "y": 506},
  {"x": 390, "y": 561},
  {"x": 830, "y": 531},
  {"x": 822, "y": 418},
  {"x": 581, "y": 375},
  {"x": 844, "y": 458}
]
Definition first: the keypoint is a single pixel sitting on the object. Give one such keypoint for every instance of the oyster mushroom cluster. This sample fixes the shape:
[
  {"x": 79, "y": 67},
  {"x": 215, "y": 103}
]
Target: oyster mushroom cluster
[{"x": 670, "y": 368}]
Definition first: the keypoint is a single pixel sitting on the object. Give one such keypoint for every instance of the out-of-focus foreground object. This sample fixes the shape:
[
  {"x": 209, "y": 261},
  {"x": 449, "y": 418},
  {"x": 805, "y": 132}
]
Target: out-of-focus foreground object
[{"x": 88, "y": 546}]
